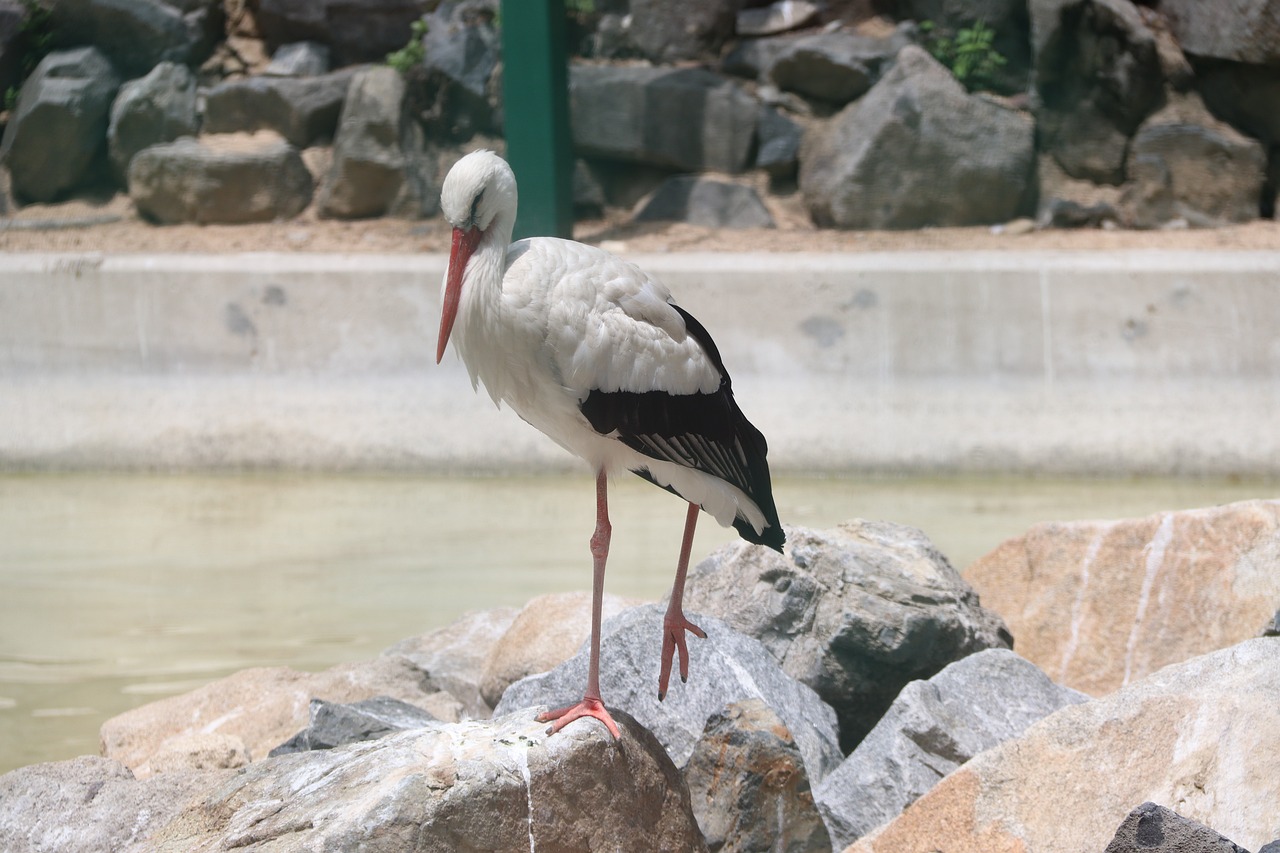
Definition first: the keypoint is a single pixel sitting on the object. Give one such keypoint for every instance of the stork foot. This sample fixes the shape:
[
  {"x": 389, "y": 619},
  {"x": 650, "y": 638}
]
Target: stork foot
[
  {"x": 673, "y": 640},
  {"x": 588, "y": 707}
]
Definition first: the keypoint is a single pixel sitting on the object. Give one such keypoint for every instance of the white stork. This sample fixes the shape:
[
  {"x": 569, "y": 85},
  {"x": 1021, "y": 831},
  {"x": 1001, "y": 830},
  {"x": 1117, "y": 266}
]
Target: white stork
[{"x": 595, "y": 353}]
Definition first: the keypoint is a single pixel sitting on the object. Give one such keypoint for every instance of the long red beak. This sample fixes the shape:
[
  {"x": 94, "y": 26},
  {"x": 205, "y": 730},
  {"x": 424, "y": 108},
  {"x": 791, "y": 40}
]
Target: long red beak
[{"x": 464, "y": 243}]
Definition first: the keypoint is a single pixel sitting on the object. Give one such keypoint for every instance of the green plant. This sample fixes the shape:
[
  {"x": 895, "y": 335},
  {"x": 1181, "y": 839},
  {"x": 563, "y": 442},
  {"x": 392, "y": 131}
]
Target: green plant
[
  {"x": 970, "y": 54},
  {"x": 35, "y": 40},
  {"x": 412, "y": 53}
]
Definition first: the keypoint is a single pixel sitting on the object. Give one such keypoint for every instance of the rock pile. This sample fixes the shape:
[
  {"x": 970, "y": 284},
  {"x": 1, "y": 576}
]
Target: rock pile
[
  {"x": 1076, "y": 112},
  {"x": 971, "y": 741}
]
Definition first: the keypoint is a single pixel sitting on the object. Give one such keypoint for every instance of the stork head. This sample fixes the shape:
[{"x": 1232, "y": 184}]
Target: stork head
[{"x": 478, "y": 198}]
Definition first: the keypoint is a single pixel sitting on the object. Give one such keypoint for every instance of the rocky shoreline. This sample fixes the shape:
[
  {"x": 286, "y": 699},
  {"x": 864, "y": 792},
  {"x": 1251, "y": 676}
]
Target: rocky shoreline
[{"x": 856, "y": 693}]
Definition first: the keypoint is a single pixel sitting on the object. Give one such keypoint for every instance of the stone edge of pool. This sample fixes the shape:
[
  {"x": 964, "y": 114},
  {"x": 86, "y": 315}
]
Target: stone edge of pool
[{"x": 1107, "y": 363}]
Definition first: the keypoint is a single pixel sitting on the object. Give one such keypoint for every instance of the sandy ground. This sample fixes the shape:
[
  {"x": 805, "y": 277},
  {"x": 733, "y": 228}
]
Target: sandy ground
[{"x": 113, "y": 226}]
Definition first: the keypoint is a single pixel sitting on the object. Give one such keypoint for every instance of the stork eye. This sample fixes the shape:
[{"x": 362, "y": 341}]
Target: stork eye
[{"x": 475, "y": 206}]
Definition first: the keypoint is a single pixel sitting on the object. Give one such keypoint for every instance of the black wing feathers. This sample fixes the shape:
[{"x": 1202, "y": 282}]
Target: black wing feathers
[{"x": 707, "y": 432}]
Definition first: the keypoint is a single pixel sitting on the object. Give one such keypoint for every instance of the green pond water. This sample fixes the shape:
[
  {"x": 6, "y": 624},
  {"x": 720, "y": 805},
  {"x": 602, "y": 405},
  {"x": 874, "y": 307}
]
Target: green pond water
[{"x": 116, "y": 590}]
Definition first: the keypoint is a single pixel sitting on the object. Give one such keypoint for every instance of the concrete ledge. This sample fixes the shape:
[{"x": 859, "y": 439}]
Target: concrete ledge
[{"x": 1106, "y": 363}]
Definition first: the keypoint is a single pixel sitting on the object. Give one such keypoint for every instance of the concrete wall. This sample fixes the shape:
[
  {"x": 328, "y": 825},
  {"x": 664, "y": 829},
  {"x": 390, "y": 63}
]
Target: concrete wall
[{"x": 1114, "y": 363}]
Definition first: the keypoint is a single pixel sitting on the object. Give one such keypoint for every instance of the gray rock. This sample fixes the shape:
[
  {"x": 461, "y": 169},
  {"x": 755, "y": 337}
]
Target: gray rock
[
  {"x": 59, "y": 126},
  {"x": 304, "y": 110},
  {"x": 705, "y": 201},
  {"x": 854, "y": 612},
  {"x": 1247, "y": 96},
  {"x": 778, "y": 148},
  {"x": 1200, "y": 734},
  {"x": 453, "y": 657},
  {"x": 91, "y": 804},
  {"x": 335, "y": 724},
  {"x": 1097, "y": 76},
  {"x": 834, "y": 67},
  {"x": 1245, "y": 31},
  {"x": 725, "y": 668},
  {"x": 456, "y": 90},
  {"x": 138, "y": 34},
  {"x": 227, "y": 180},
  {"x": 687, "y": 119},
  {"x": 478, "y": 786},
  {"x": 931, "y": 729},
  {"x": 299, "y": 59},
  {"x": 588, "y": 193},
  {"x": 1151, "y": 828},
  {"x": 355, "y": 30},
  {"x": 1184, "y": 164},
  {"x": 755, "y": 56},
  {"x": 159, "y": 107},
  {"x": 673, "y": 30},
  {"x": 748, "y": 785},
  {"x": 369, "y": 153},
  {"x": 918, "y": 150}
]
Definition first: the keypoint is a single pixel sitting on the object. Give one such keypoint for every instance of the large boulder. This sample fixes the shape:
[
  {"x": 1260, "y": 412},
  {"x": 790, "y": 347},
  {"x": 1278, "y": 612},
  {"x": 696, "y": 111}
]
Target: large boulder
[
  {"x": 835, "y": 67},
  {"x": 1184, "y": 164},
  {"x": 454, "y": 656},
  {"x": 1243, "y": 31},
  {"x": 379, "y": 160},
  {"x": 159, "y": 107},
  {"x": 724, "y": 668},
  {"x": 1199, "y": 736},
  {"x": 918, "y": 150},
  {"x": 1098, "y": 76},
  {"x": 224, "y": 178},
  {"x": 931, "y": 729},
  {"x": 355, "y": 30},
  {"x": 58, "y": 129},
  {"x": 139, "y": 34},
  {"x": 706, "y": 201},
  {"x": 262, "y": 708},
  {"x": 674, "y": 30},
  {"x": 749, "y": 787},
  {"x": 684, "y": 118},
  {"x": 1099, "y": 604},
  {"x": 854, "y": 612},
  {"x": 304, "y": 110},
  {"x": 546, "y": 632},
  {"x": 497, "y": 785},
  {"x": 91, "y": 804}
]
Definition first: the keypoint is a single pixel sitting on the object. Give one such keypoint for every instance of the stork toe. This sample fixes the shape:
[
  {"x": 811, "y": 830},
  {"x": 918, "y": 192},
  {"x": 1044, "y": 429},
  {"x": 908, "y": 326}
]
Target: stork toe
[
  {"x": 673, "y": 641},
  {"x": 588, "y": 707}
]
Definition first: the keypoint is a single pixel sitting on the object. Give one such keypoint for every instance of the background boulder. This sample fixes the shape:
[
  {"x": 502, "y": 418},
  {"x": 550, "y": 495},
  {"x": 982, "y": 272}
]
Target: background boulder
[
  {"x": 931, "y": 729},
  {"x": 1099, "y": 604},
  {"x": 58, "y": 131},
  {"x": 228, "y": 178},
  {"x": 1198, "y": 735},
  {"x": 687, "y": 119},
  {"x": 918, "y": 150},
  {"x": 159, "y": 107},
  {"x": 854, "y": 612}
]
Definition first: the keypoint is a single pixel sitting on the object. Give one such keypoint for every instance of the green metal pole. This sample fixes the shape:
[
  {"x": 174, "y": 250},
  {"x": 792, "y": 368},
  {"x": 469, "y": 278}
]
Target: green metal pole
[{"x": 535, "y": 104}]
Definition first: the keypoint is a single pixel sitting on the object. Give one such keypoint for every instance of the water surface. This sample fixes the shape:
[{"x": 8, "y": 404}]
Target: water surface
[{"x": 119, "y": 589}]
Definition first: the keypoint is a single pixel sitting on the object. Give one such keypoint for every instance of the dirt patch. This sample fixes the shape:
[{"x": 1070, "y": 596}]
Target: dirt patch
[{"x": 112, "y": 225}]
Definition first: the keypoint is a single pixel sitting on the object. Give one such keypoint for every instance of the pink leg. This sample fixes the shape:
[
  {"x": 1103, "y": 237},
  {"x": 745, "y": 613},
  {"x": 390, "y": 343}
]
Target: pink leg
[
  {"x": 675, "y": 624},
  {"x": 591, "y": 706}
]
